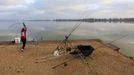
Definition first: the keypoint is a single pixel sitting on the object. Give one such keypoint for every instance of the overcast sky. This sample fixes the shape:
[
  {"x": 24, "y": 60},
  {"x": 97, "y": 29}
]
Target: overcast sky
[{"x": 50, "y": 9}]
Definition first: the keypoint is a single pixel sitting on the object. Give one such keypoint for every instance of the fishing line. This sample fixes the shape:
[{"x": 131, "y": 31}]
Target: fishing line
[
  {"x": 14, "y": 24},
  {"x": 18, "y": 29},
  {"x": 113, "y": 41},
  {"x": 13, "y": 29}
]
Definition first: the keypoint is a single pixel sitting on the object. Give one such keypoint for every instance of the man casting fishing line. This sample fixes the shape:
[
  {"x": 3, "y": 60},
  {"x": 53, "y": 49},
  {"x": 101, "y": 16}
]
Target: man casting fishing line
[{"x": 23, "y": 36}]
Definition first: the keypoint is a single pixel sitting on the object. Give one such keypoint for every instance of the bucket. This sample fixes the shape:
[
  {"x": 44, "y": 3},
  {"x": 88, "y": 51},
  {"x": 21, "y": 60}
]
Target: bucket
[{"x": 17, "y": 40}]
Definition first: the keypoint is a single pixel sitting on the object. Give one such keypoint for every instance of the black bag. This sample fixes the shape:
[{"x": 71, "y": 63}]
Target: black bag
[{"x": 86, "y": 50}]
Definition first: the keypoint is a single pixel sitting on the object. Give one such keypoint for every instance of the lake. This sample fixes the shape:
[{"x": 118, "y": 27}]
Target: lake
[{"x": 123, "y": 33}]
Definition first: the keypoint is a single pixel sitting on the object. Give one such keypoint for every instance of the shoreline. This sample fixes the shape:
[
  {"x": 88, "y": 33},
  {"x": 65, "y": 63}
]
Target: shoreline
[
  {"x": 47, "y": 41},
  {"x": 109, "y": 45}
]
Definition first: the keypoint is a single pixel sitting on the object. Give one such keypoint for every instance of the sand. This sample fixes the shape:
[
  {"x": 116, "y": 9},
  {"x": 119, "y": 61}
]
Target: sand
[{"x": 103, "y": 61}]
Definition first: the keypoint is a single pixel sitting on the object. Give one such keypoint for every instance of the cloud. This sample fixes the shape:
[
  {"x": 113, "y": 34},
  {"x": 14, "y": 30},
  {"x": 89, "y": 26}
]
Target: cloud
[
  {"x": 45, "y": 9},
  {"x": 11, "y": 2}
]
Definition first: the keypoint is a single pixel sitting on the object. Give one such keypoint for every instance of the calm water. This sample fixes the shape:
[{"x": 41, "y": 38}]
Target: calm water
[{"x": 50, "y": 30}]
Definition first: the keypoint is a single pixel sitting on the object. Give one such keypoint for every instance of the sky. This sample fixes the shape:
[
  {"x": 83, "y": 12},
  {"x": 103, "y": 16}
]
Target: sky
[{"x": 52, "y": 9}]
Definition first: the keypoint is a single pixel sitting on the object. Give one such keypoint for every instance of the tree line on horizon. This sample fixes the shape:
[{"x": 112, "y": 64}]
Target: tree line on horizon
[{"x": 99, "y": 20}]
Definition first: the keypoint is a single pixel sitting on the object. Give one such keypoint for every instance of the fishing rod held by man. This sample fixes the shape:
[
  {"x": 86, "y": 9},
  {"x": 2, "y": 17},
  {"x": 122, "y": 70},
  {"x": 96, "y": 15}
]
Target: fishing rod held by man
[{"x": 23, "y": 36}]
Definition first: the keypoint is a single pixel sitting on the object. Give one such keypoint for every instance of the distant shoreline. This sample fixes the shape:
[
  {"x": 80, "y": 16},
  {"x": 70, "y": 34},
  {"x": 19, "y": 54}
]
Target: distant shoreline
[
  {"x": 92, "y": 20},
  {"x": 109, "y": 20}
]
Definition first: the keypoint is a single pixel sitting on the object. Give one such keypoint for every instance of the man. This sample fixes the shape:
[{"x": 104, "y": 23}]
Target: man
[{"x": 23, "y": 36}]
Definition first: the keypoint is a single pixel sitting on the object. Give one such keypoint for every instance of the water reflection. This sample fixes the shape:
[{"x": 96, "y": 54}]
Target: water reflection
[{"x": 50, "y": 30}]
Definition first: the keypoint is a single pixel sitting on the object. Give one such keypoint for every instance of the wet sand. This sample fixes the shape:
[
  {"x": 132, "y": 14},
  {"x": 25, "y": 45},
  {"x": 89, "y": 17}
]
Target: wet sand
[{"x": 103, "y": 61}]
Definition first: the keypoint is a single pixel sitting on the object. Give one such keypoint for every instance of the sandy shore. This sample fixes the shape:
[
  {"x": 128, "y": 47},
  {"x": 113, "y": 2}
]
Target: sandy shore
[{"x": 103, "y": 61}]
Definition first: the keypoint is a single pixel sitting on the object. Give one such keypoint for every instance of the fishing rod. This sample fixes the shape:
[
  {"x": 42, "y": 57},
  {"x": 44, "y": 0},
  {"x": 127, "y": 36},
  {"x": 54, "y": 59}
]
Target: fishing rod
[
  {"x": 77, "y": 24},
  {"x": 73, "y": 29},
  {"x": 65, "y": 62},
  {"x": 83, "y": 59},
  {"x": 67, "y": 36}
]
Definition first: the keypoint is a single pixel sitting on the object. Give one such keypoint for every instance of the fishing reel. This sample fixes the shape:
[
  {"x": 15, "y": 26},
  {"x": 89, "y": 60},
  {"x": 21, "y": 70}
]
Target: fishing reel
[{"x": 60, "y": 50}]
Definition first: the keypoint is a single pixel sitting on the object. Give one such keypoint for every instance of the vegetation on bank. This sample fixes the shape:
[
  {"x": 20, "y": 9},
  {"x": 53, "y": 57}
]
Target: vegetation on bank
[{"x": 99, "y": 20}]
